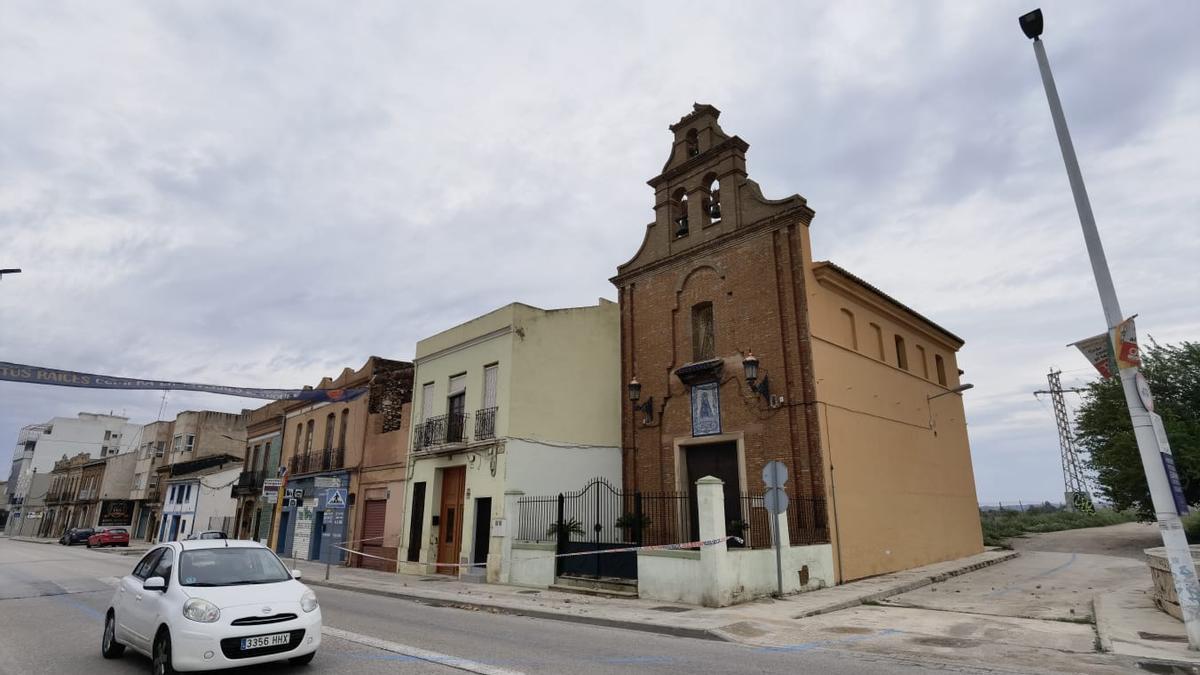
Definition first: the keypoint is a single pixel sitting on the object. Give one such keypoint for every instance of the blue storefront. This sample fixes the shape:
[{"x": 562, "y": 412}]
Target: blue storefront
[{"x": 314, "y": 518}]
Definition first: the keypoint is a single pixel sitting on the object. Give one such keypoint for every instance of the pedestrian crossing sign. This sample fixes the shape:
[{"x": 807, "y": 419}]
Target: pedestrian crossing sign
[{"x": 335, "y": 498}]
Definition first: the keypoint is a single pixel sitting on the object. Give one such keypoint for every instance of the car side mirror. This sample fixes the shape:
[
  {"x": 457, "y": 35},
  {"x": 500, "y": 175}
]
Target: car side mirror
[
  {"x": 155, "y": 584},
  {"x": 296, "y": 574}
]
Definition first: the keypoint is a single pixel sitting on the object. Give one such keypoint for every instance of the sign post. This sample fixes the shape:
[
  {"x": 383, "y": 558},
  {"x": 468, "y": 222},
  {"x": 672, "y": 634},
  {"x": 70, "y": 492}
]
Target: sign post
[{"x": 775, "y": 500}]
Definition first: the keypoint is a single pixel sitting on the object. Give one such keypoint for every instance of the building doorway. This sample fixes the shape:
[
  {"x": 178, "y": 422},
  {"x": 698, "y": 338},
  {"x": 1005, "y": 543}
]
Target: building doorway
[
  {"x": 281, "y": 542},
  {"x": 374, "y": 519},
  {"x": 450, "y": 518},
  {"x": 417, "y": 522},
  {"x": 483, "y": 531},
  {"x": 316, "y": 547},
  {"x": 719, "y": 460}
]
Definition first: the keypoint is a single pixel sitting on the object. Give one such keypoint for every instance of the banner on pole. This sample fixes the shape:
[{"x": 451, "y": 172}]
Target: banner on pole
[
  {"x": 16, "y": 372},
  {"x": 1098, "y": 350},
  {"x": 1124, "y": 341}
]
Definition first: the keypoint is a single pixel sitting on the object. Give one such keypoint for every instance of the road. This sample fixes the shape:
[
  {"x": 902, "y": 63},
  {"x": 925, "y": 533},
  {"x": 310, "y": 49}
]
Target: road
[{"x": 52, "y": 601}]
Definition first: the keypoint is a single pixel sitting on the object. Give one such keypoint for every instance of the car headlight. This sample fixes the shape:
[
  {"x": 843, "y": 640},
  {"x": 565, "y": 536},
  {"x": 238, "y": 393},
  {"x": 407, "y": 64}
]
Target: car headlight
[
  {"x": 308, "y": 601},
  {"x": 201, "y": 610}
]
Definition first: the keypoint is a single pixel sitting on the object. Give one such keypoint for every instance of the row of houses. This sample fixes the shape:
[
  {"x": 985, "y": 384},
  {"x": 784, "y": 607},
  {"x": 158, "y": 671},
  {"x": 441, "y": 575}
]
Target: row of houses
[{"x": 525, "y": 433}]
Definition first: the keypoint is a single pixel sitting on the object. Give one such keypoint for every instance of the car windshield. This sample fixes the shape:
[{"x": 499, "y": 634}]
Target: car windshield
[{"x": 230, "y": 567}]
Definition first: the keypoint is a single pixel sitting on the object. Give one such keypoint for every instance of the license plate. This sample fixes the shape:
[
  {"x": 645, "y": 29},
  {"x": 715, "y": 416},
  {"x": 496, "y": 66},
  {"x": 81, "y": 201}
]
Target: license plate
[{"x": 265, "y": 641}]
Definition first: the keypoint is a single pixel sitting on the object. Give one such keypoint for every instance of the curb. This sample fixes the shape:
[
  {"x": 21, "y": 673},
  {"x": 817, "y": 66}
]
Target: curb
[
  {"x": 674, "y": 631},
  {"x": 29, "y": 540},
  {"x": 906, "y": 587}
]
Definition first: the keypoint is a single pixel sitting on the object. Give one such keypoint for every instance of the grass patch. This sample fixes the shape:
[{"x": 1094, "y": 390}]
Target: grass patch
[
  {"x": 998, "y": 526},
  {"x": 1191, "y": 527}
]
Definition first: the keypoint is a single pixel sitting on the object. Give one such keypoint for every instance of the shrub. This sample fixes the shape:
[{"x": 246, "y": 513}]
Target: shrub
[{"x": 999, "y": 526}]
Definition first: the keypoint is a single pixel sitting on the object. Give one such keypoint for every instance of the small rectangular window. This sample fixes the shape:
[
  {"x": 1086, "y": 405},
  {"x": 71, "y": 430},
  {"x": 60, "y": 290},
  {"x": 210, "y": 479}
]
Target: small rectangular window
[
  {"x": 941, "y": 369},
  {"x": 901, "y": 353},
  {"x": 704, "y": 345},
  {"x": 190, "y": 443},
  {"x": 177, "y": 443},
  {"x": 924, "y": 362}
]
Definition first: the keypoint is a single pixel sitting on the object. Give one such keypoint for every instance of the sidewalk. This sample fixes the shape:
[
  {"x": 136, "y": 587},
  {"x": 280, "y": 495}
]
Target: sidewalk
[
  {"x": 727, "y": 623},
  {"x": 1128, "y": 623}
]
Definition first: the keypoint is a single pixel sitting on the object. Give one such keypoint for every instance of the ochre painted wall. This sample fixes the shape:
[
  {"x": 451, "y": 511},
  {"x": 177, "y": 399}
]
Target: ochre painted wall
[{"x": 898, "y": 463}]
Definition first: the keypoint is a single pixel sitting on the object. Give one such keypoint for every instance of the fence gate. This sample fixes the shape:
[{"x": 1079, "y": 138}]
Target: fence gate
[{"x": 593, "y": 519}]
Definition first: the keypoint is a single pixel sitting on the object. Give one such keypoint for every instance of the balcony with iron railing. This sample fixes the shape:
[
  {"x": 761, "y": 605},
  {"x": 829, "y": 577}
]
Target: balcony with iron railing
[
  {"x": 248, "y": 483},
  {"x": 330, "y": 459},
  {"x": 86, "y": 495},
  {"x": 485, "y": 424},
  {"x": 441, "y": 430}
]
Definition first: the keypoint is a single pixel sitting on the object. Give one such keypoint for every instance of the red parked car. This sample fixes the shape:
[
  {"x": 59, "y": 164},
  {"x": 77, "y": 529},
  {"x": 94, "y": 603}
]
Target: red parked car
[{"x": 109, "y": 536}]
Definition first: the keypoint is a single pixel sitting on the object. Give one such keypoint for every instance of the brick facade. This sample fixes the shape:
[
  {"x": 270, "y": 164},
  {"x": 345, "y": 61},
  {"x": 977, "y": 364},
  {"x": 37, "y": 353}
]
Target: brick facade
[{"x": 747, "y": 262}]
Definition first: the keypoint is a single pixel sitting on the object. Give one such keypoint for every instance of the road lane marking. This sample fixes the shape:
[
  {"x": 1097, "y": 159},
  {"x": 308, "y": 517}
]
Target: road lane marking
[{"x": 417, "y": 653}]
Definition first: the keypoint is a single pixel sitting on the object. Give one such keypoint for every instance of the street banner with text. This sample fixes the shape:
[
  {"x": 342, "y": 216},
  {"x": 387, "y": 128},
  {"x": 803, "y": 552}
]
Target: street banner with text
[{"x": 16, "y": 372}]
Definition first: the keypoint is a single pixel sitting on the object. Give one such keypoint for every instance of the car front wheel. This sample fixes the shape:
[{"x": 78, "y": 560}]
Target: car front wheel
[
  {"x": 109, "y": 647},
  {"x": 162, "y": 654}
]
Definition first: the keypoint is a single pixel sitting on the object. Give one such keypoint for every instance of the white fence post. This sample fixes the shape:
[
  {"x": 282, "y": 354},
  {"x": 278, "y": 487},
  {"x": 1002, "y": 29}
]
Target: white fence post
[
  {"x": 512, "y": 518},
  {"x": 710, "y": 506}
]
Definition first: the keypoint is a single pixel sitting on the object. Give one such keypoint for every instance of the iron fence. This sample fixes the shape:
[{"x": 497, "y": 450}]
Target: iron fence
[
  {"x": 808, "y": 521},
  {"x": 751, "y": 523},
  {"x": 666, "y": 518},
  {"x": 536, "y": 518}
]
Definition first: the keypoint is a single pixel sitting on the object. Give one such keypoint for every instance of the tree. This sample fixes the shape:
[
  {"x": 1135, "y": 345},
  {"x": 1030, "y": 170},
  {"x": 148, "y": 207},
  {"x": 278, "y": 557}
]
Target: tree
[{"x": 1104, "y": 432}]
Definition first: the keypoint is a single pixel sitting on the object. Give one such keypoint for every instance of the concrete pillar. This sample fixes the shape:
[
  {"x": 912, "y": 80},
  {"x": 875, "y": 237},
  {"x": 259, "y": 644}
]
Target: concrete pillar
[
  {"x": 511, "y": 515},
  {"x": 710, "y": 505}
]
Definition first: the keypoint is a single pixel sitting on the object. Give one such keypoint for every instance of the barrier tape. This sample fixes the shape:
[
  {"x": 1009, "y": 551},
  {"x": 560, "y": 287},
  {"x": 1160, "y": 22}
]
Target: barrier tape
[{"x": 626, "y": 549}]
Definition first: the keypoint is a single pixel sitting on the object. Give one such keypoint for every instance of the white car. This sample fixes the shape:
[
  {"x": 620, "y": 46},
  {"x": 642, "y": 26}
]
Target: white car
[{"x": 211, "y": 604}]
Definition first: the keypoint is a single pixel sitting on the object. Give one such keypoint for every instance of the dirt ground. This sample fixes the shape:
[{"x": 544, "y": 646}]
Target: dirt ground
[{"x": 1126, "y": 540}]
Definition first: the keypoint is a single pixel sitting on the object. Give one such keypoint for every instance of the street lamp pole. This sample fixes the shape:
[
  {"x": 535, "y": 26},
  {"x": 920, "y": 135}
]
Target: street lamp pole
[{"x": 1149, "y": 447}]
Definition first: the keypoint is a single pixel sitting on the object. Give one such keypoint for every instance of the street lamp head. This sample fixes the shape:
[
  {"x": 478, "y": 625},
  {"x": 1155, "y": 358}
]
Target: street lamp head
[
  {"x": 1031, "y": 24},
  {"x": 957, "y": 390}
]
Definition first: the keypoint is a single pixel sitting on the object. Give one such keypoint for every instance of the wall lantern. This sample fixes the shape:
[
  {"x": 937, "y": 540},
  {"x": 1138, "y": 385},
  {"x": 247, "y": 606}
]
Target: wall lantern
[
  {"x": 750, "y": 366},
  {"x": 647, "y": 408}
]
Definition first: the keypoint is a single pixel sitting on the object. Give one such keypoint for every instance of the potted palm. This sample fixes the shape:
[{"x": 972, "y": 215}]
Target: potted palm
[{"x": 631, "y": 524}]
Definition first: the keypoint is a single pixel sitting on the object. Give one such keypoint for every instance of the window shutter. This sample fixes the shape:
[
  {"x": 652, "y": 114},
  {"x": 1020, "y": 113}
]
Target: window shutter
[
  {"x": 427, "y": 401},
  {"x": 458, "y": 384},
  {"x": 489, "y": 386}
]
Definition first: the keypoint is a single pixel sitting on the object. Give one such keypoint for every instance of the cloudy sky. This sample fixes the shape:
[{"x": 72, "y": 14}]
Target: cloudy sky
[{"x": 260, "y": 194}]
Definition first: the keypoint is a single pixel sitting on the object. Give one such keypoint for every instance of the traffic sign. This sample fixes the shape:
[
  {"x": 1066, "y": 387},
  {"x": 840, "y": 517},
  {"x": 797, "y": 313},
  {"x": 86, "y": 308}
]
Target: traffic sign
[
  {"x": 775, "y": 474},
  {"x": 335, "y": 498},
  {"x": 775, "y": 500},
  {"x": 273, "y": 483}
]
